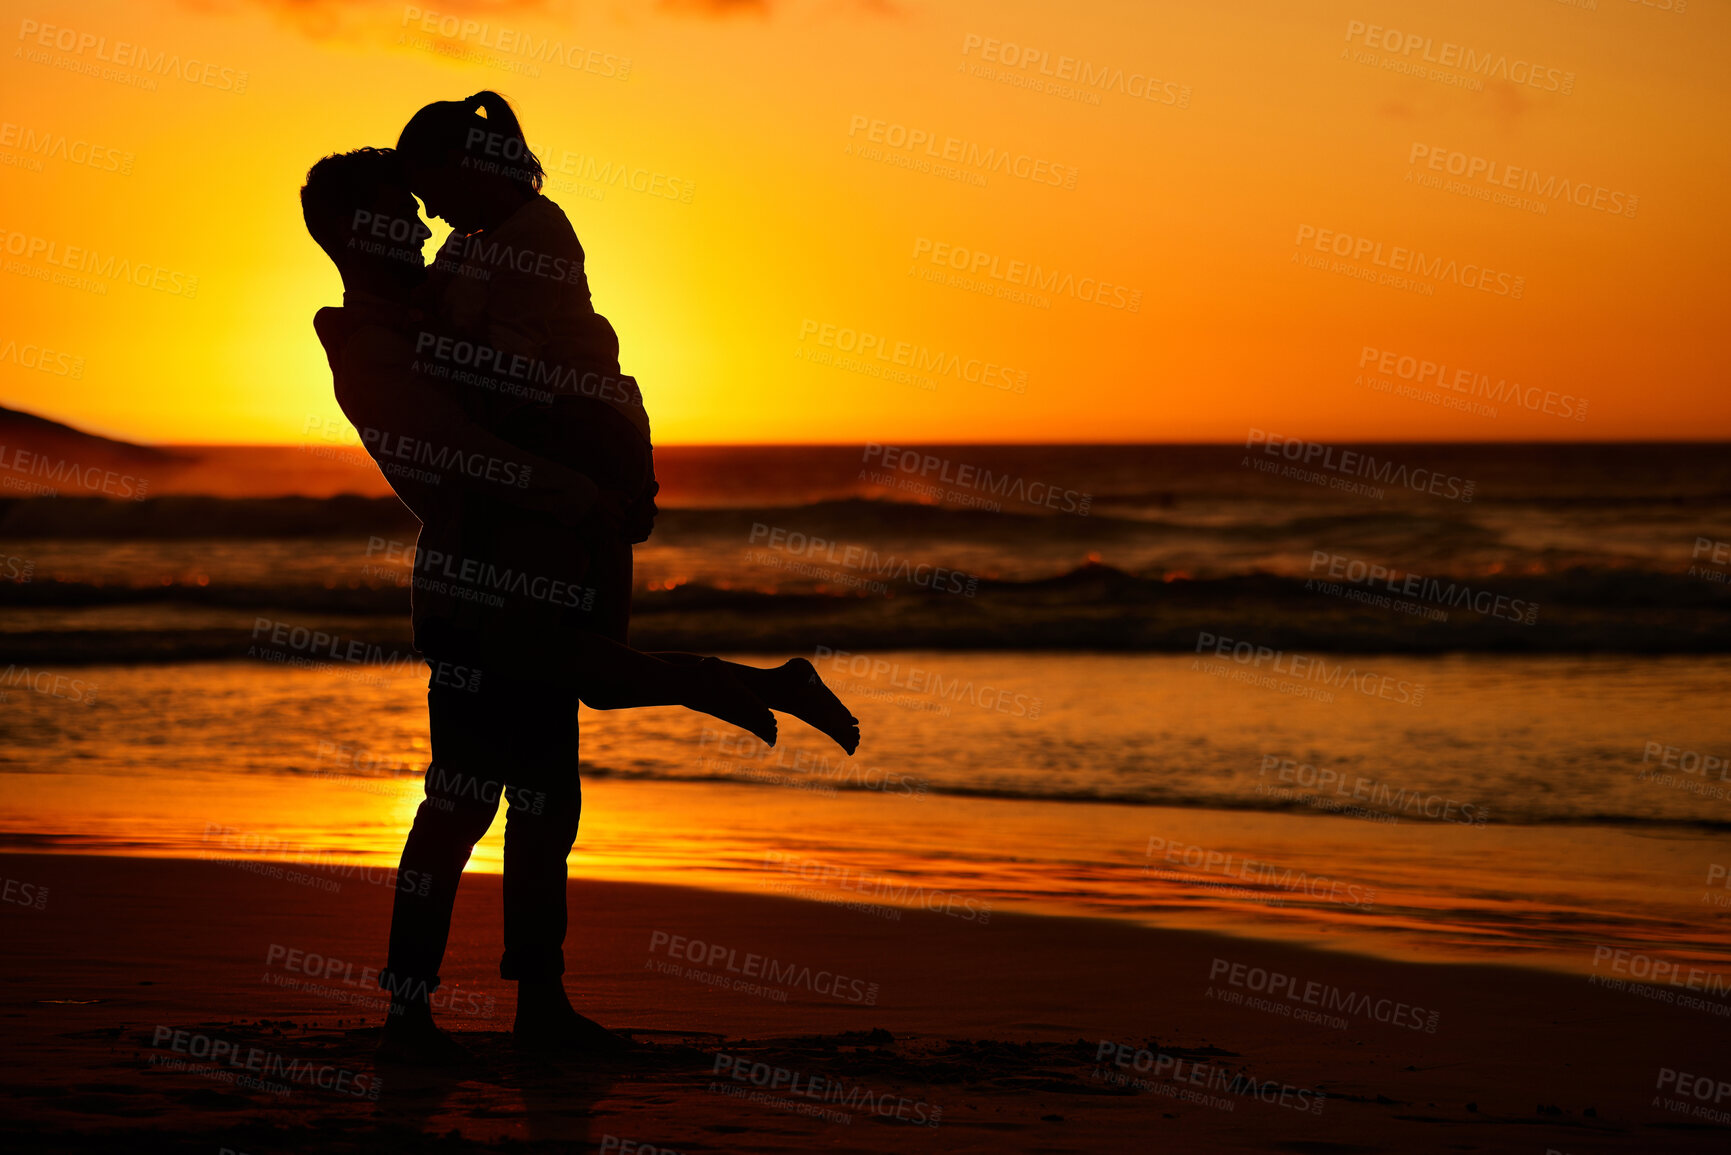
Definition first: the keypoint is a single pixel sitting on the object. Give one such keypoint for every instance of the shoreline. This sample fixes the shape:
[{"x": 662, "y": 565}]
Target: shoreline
[
  {"x": 1693, "y": 971},
  {"x": 1444, "y": 893}
]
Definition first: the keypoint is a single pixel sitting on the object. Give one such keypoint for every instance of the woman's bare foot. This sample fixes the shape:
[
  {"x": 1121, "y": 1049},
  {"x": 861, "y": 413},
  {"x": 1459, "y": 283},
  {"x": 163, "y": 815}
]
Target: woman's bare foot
[
  {"x": 412, "y": 1037},
  {"x": 717, "y": 690},
  {"x": 794, "y": 688}
]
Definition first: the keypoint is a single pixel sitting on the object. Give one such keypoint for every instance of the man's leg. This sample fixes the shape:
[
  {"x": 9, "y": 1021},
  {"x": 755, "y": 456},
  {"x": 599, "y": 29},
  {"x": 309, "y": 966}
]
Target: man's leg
[
  {"x": 544, "y": 803},
  {"x": 452, "y": 817}
]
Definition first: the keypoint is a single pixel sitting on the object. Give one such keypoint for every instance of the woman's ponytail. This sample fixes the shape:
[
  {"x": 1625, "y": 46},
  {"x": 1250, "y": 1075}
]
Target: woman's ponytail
[{"x": 484, "y": 128}]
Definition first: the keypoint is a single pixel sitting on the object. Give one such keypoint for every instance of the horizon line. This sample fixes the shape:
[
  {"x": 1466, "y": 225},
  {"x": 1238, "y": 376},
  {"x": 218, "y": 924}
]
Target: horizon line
[{"x": 1704, "y": 441}]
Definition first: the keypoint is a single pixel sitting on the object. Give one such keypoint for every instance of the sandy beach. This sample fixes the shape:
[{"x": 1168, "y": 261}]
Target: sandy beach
[{"x": 243, "y": 1017}]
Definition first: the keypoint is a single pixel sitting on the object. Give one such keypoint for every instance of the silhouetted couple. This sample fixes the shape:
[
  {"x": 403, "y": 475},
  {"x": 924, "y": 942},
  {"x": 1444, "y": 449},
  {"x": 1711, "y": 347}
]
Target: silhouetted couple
[{"x": 489, "y": 392}]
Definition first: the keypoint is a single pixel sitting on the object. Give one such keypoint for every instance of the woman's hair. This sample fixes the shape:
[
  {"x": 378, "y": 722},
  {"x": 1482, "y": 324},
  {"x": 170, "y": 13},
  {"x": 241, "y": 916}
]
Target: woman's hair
[{"x": 491, "y": 143}]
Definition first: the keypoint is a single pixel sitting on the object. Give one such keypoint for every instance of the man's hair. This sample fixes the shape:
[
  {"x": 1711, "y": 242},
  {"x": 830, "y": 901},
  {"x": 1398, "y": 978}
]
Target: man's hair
[{"x": 340, "y": 185}]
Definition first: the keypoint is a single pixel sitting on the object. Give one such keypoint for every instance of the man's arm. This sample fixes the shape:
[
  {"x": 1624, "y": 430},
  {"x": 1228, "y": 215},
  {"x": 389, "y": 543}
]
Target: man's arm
[{"x": 415, "y": 429}]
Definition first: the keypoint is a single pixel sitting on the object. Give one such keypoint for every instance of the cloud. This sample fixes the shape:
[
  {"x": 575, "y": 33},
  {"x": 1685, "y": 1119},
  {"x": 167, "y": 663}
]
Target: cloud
[
  {"x": 718, "y": 8},
  {"x": 723, "y": 9},
  {"x": 1508, "y": 103},
  {"x": 326, "y": 19},
  {"x": 361, "y": 19}
]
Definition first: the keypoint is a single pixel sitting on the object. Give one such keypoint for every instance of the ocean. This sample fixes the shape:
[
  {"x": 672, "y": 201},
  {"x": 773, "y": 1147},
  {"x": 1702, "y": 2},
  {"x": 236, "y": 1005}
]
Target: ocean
[{"x": 1443, "y": 702}]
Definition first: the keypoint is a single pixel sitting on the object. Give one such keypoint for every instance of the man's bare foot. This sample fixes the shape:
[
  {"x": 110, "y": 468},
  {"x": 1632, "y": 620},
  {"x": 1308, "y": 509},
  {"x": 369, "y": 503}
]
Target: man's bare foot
[
  {"x": 412, "y": 1037},
  {"x": 794, "y": 688},
  {"x": 546, "y": 1023},
  {"x": 716, "y": 690}
]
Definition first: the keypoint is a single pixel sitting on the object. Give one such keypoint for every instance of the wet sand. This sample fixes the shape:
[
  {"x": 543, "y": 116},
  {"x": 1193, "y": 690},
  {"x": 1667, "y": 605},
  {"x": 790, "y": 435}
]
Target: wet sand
[{"x": 142, "y": 993}]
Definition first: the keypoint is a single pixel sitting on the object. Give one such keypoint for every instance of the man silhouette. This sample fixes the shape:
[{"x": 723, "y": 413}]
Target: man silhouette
[{"x": 497, "y": 731}]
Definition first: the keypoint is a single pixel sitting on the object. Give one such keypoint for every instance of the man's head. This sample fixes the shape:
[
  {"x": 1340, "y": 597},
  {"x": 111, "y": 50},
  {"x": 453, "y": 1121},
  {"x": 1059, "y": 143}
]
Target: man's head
[{"x": 358, "y": 208}]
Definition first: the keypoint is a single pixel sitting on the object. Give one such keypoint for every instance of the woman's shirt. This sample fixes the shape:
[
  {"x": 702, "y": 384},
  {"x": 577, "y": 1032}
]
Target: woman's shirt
[{"x": 520, "y": 287}]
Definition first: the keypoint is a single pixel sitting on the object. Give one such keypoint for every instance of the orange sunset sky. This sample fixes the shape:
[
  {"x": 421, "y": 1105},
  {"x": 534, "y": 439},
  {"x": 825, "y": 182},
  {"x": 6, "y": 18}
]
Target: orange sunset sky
[{"x": 1210, "y": 146}]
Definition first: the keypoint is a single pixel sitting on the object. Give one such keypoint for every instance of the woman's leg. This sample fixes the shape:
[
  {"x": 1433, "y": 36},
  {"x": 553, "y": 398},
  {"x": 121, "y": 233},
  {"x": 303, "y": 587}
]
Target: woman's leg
[
  {"x": 610, "y": 675},
  {"x": 793, "y": 688}
]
